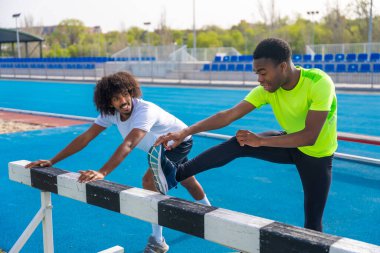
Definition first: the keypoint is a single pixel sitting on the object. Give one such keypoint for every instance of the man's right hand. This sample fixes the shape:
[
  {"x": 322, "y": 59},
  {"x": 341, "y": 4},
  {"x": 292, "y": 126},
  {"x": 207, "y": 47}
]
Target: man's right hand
[
  {"x": 39, "y": 163},
  {"x": 176, "y": 137}
]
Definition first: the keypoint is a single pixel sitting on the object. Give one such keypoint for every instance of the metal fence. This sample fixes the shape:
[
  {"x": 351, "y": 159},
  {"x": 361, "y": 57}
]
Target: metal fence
[
  {"x": 352, "y": 48},
  {"x": 175, "y": 53}
]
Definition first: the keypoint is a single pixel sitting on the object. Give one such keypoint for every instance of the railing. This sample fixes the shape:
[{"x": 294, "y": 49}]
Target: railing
[{"x": 343, "y": 136}]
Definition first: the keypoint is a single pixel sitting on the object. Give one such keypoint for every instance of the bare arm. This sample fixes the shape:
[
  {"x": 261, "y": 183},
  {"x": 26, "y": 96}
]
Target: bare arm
[
  {"x": 306, "y": 137},
  {"x": 219, "y": 120},
  {"x": 129, "y": 143},
  {"x": 75, "y": 146}
]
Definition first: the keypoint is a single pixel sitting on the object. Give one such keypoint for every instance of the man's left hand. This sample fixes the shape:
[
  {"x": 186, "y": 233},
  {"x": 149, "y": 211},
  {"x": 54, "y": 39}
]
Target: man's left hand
[{"x": 245, "y": 137}]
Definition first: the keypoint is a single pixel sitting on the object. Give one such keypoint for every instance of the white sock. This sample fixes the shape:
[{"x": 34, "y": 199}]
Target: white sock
[
  {"x": 157, "y": 232},
  {"x": 204, "y": 201}
]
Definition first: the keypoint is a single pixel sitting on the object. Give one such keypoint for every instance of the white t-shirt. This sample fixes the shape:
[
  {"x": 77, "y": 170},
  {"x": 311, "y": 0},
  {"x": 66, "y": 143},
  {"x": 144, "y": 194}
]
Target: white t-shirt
[{"x": 145, "y": 116}]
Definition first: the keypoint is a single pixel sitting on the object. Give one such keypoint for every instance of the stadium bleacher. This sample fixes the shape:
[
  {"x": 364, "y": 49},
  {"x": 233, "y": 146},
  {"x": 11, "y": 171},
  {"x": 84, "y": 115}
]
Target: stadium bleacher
[
  {"x": 64, "y": 62},
  {"x": 338, "y": 63}
]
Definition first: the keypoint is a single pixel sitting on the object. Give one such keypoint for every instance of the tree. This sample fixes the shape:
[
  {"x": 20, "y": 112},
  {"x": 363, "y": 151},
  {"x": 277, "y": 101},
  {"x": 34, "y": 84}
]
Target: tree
[{"x": 69, "y": 32}]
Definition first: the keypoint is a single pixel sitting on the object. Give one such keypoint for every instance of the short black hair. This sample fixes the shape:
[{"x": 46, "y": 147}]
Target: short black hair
[
  {"x": 275, "y": 49},
  {"x": 112, "y": 85}
]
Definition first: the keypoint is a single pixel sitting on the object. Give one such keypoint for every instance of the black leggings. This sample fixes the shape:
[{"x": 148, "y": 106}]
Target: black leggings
[{"x": 315, "y": 173}]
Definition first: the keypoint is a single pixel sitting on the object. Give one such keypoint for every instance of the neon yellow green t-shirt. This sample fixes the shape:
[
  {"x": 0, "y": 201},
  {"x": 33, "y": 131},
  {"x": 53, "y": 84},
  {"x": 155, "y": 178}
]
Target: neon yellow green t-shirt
[{"x": 314, "y": 91}]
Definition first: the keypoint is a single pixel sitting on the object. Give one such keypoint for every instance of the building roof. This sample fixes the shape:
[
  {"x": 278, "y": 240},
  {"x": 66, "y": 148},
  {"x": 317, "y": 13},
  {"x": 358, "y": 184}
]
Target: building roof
[{"x": 9, "y": 36}]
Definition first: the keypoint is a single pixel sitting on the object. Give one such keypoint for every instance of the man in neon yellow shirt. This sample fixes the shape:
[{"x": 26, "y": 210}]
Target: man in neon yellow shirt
[{"x": 304, "y": 103}]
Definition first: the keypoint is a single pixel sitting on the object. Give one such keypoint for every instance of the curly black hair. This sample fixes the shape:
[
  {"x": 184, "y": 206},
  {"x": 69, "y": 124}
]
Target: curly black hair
[
  {"x": 275, "y": 49},
  {"x": 112, "y": 85}
]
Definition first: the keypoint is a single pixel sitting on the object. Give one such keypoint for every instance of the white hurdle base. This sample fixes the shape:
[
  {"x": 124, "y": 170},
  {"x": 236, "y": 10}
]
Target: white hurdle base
[
  {"x": 43, "y": 215},
  {"x": 116, "y": 249}
]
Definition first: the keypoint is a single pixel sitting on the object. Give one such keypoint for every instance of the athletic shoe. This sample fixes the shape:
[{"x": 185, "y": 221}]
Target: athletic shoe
[
  {"x": 156, "y": 247},
  {"x": 163, "y": 169}
]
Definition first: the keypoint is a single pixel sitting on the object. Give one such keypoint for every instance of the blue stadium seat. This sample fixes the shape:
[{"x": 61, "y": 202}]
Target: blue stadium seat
[
  {"x": 223, "y": 67},
  {"x": 318, "y": 66},
  {"x": 214, "y": 67},
  {"x": 376, "y": 68},
  {"x": 339, "y": 57},
  {"x": 234, "y": 58},
  {"x": 353, "y": 68},
  {"x": 248, "y": 68},
  {"x": 206, "y": 67},
  {"x": 329, "y": 57},
  {"x": 306, "y": 58},
  {"x": 375, "y": 57},
  {"x": 240, "y": 67},
  {"x": 296, "y": 58},
  {"x": 317, "y": 58},
  {"x": 307, "y": 66},
  {"x": 231, "y": 67},
  {"x": 340, "y": 68},
  {"x": 217, "y": 59},
  {"x": 329, "y": 68},
  {"x": 226, "y": 58},
  {"x": 362, "y": 57},
  {"x": 241, "y": 58},
  {"x": 365, "y": 68},
  {"x": 249, "y": 58},
  {"x": 351, "y": 57}
]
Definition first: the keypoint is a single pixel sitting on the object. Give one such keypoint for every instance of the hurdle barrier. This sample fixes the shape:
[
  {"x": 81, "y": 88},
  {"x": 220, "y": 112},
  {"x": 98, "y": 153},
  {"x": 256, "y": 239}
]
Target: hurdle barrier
[{"x": 236, "y": 230}]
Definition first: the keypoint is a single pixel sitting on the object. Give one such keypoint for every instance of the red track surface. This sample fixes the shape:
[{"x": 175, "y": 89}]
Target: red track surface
[{"x": 40, "y": 120}]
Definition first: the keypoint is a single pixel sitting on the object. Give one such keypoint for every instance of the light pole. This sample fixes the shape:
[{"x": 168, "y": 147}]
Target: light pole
[
  {"x": 16, "y": 15},
  {"x": 370, "y": 27},
  {"x": 147, "y": 24},
  {"x": 194, "y": 33},
  {"x": 312, "y": 14},
  {"x": 97, "y": 31}
]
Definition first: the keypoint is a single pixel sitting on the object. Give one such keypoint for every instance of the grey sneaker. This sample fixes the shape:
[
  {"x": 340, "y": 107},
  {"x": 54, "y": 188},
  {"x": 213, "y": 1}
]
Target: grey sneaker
[
  {"x": 164, "y": 171},
  {"x": 155, "y": 247}
]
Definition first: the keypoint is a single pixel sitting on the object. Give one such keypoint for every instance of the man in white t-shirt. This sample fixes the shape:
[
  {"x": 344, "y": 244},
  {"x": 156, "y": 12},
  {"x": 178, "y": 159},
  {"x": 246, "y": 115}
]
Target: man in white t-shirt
[{"x": 117, "y": 98}]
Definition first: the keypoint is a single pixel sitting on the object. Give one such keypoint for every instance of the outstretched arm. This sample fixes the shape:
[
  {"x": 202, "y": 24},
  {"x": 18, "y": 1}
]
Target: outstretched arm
[
  {"x": 75, "y": 146},
  {"x": 129, "y": 143},
  {"x": 306, "y": 137},
  {"x": 219, "y": 120}
]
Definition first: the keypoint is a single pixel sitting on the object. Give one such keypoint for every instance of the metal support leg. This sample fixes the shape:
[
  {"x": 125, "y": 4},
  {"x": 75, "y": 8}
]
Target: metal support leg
[
  {"x": 28, "y": 232},
  {"x": 47, "y": 222},
  {"x": 43, "y": 215}
]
